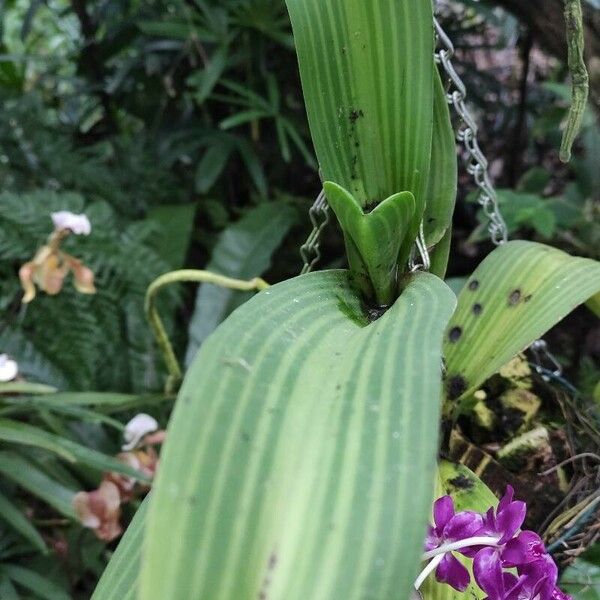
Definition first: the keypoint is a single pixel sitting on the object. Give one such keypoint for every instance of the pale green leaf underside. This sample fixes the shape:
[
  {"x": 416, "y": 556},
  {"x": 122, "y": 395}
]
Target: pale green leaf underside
[
  {"x": 367, "y": 77},
  {"x": 297, "y": 458},
  {"x": 517, "y": 293}
]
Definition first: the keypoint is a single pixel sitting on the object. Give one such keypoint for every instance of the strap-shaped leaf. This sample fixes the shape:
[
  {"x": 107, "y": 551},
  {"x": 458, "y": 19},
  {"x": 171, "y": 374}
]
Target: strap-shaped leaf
[
  {"x": 119, "y": 580},
  {"x": 367, "y": 76},
  {"x": 517, "y": 293},
  {"x": 373, "y": 239},
  {"x": 443, "y": 176},
  {"x": 298, "y": 455}
]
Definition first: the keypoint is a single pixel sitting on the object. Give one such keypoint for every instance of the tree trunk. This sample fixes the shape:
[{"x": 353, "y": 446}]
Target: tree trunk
[{"x": 546, "y": 22}]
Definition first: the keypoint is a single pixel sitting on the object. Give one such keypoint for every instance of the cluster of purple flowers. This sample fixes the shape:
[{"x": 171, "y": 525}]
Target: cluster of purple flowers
[{"x": 508, "y": 564}]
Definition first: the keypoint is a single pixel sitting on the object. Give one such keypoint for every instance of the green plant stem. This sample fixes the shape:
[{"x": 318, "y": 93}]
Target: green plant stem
[
  {"x": 579, "y": 75},
  {"x": 156, "y": 323}
]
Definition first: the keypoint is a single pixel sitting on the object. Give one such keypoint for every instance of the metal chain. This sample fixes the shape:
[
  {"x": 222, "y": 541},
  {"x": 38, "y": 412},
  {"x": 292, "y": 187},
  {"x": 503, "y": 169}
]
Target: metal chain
[
  {"x": 476, "y": 162},
  {"x": 477, "y": 166},
  {"x": 310, "y": 251}
]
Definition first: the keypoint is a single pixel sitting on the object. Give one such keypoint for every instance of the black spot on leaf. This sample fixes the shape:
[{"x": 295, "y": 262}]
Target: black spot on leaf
[
  {"x": 474, "y": 285},
  {"x": 462, "y": 482},
  {"x": 456, "y": 386},
  {"x": 477, "y": 309},
  {"x": 455, "y": 334},
  {"x": 514, "y": 297}
]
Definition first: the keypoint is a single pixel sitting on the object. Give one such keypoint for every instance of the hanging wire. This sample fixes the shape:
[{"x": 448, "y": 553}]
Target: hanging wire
[
  {"x": 476, "y": 162},
  {"x": 310, "y": 251}
]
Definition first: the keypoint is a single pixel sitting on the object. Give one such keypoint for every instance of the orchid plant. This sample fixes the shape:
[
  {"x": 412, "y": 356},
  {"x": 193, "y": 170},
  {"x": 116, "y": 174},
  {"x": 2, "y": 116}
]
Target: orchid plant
[
  {"x": 299, "y": 456},
  {"x": 498, "y": 548}
]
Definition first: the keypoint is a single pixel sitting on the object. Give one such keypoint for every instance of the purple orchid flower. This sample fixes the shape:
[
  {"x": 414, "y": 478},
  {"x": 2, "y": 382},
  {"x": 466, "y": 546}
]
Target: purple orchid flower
[
  {"x": 451, "y": 527},
  {"x": 496, "y": 543}
]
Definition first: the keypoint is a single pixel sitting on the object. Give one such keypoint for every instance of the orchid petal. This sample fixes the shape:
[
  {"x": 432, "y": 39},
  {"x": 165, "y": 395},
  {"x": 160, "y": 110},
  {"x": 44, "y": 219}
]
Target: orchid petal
[
  {"x": 26, "y": 277},
  {"x": 525, "y": 548},
  {"x": 487, "y": 569},
  {"x": 462, "y": 525},
  {"x": 453, "y": 572},
  {"x": 510, "y": 519},
  {"x": 443, "y": 511},
  {"x": 506, "y": 499}
]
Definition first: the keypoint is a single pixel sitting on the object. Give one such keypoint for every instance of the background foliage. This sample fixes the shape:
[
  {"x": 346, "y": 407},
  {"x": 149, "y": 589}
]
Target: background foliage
[{"x": 178, "y": 127}]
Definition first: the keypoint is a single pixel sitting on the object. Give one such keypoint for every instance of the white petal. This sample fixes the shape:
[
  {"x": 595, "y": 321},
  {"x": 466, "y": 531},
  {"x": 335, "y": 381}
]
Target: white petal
[
  {"x": 140, "y": 426},
  {"x": 78, "y": 224},
  {"x": 8, "y": 368}
]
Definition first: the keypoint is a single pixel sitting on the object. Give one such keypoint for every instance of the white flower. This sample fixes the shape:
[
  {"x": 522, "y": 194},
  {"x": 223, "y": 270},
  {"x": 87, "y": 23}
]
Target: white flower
[
  {"x": 78, "y": 224},
  {"x": 8, "y": 368},
  {"x": 138, "y": 428}
]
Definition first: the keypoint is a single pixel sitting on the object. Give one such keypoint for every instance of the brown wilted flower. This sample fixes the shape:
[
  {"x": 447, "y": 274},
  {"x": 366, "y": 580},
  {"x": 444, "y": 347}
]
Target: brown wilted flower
[
  {"x": 100, "y": 510},
  {"x": 145, "y": 461},
  {"x": 50, "y": 265}
]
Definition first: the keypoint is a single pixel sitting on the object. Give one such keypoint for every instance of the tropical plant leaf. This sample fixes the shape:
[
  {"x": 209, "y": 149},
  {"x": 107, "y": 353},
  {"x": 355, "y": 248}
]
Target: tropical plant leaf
[
  {"x": 15, "y": 518},
  {"x": 243, "y": 251},
  {"x": 517, "y": 293},
  {"x": 443, "y": 181},
  {"x": 294, "y": 462},
  {"x": 25, "y": 474},
  {"x": 28, "y": 435},
  {"x": 373, "y": 239},
  {"x": 175, "y": 224},
  {"x": 119, "y": 580},
  {"x": 367, "y": 77},
  {"x": 34, "y": 582}
]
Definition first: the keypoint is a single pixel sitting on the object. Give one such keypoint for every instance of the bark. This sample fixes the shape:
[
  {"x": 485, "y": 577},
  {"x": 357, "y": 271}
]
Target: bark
[{"x": 546, "y": 22}]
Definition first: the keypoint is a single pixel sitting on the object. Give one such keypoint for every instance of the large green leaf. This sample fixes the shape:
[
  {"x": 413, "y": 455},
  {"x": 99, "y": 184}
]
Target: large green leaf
[
  {"x": 296, "y": 461},
  {"x": 243, "y": 251},
  {"x": 367, "y": 77},
  {"x": 119, "y": 580},
  {"x": 517, "y": 293}
]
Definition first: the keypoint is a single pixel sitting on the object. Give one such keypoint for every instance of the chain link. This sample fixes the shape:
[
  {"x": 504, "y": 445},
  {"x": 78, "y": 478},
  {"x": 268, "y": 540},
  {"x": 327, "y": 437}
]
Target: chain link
[
  {"x": 476, "y": 162},
  {"x": 310, "y": 251}
]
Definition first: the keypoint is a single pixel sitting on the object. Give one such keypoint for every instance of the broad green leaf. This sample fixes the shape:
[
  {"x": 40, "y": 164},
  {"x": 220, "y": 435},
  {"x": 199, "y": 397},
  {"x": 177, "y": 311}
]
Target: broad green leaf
[
  {"x": 34, "y": 582},
  {"x": 175, "y": 224},
  {"x": 594, "y": 304},
  {"x": 243, "y": 251},
  {"x": 211, "y": 166},
  {"x": 297, "y": 457},
  {"x": 15, "y": 518},
  {"x": 443, "y": 180},
  {"x": 367, "y": 77},
  {"x": 26, "y": 475},
  {"x": 119, "y": 580},
  {"x": 24, "y": 434},
  {"x": 517, "y": 293},
  {"x": 468, "y": 493},
  {"x": 373, "y": 239},
  {"x": 582, "y": 578}
]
